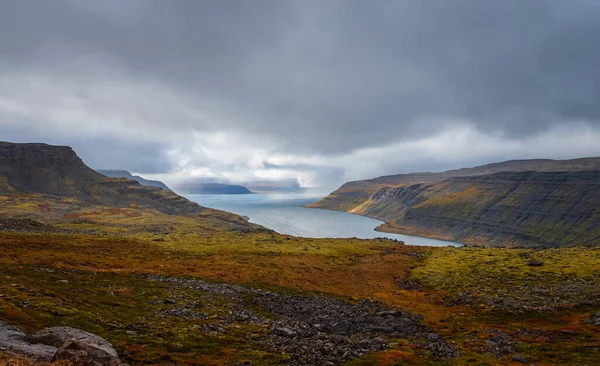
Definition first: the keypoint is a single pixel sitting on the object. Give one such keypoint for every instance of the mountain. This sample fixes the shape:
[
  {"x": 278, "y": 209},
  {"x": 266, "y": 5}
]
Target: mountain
[
  {"x": 524, "y": 202},
  {"x": 199, "y": 187},
  {"x": 137, "y": 178},
  {"x": 48, "y": 173},
  {"x": 274, "y": 186}
]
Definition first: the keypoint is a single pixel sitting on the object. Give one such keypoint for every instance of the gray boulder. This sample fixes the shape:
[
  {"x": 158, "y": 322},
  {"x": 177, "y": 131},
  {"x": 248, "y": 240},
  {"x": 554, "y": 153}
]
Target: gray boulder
[
  {"x": 77, "y": 346},
  {"x": 13, "y": 340},
  {"x": 58, "y": 343},
  {"x": 87, "y": 352}
]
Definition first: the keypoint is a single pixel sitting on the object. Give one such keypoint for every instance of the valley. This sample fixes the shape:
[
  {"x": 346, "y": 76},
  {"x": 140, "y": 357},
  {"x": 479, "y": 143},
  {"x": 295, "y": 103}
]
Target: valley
[{"x": 168, "y": 281}]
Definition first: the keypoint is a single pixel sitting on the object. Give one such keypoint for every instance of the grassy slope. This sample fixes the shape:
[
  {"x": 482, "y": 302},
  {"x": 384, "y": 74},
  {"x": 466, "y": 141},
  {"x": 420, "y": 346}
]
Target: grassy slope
[
  {"x": 548, "y": 209},
  {"x": 469, "y": 294}
]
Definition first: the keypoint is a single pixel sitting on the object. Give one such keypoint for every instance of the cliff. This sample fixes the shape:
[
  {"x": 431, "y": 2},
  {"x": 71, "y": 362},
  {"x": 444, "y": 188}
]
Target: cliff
[{"x": 556, "y": 205}]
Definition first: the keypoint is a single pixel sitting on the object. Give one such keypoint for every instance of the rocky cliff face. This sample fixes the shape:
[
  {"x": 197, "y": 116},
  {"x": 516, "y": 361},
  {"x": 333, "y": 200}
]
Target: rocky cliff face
[
  {"x": 41, "y": 168},
  {"x": 58, "y": 171},
  {"x": 531, "y": 208}
]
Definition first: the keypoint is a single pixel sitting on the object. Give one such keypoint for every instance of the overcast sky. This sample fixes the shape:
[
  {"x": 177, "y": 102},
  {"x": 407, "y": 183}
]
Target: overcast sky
[{"x": 322, "y": 91}]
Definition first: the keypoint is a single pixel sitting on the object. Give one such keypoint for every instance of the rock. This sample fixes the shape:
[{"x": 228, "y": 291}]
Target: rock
[
  {"x": 169, "y": 301},
  {"x": 285, "y": 332},
  {"x": 76, "y": 345},
  {"x": 519, "y": 358},
  {"x": 341, "y": 328},
  {"x": 594, "y": 319},
  {"x": 535, "y": 262},
  {"x": 12, "y": 340},
  {"x": 89, "y": 352}
]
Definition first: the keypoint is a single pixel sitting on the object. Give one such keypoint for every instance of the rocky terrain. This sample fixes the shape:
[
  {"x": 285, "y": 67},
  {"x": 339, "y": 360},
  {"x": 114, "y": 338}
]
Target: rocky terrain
[
  {"x": 497, "y": 204},
  {"x": 314, "y": 330}
]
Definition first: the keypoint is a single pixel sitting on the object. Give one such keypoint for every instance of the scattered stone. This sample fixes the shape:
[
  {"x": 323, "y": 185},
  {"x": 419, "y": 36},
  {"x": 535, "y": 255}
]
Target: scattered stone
[
  {"x": 182, "y": 313},
  {"x": 535, "y": 262},
  {"x": 407, "y": 284},
  {"x": 159, "y": 239},
  {"x": 498, "y": 344},
  {"x": 519, "y": 358},
  {"x": 314, "y": 329},
  {"x": 169, "y": 301},
  {"x": 285, "y": 332},
  {"x": 63, "y": 281},
  {"x": 594, "y": 319}
]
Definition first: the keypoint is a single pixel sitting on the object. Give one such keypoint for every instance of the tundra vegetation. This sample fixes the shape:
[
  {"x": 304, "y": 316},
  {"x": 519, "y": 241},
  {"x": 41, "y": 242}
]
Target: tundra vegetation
[{"x": 194, "y": 289}]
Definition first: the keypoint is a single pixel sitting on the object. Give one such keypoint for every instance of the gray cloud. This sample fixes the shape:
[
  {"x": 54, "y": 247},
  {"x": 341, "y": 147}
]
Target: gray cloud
[{"x": 305, "y": 78}]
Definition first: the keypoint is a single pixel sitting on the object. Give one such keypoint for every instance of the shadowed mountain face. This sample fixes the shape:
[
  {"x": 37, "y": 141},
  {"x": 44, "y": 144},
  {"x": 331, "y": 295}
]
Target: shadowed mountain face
[
  {"x": 137, "y": 178},
  {"x": 529, "y": 202},
  {"x": 58, "y": 171},
  {"x": 41, "y": 168}
]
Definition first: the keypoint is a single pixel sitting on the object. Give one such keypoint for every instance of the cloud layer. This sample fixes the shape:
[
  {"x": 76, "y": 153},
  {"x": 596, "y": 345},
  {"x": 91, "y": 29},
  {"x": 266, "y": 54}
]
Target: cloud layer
[{"x": 320, "y": 91}]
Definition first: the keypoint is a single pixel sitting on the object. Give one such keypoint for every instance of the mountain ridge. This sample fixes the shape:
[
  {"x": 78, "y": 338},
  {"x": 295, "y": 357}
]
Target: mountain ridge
[
  {"x": 447, "y": 205},
  {"x": 117, "y": 173}
]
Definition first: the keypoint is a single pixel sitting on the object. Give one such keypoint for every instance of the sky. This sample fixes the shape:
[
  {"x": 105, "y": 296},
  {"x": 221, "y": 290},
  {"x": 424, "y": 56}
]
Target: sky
[{"x": 321, "y": 91}]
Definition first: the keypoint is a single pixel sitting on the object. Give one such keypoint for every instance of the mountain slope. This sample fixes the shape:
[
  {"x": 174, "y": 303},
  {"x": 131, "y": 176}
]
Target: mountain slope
[
  {"x": 495, "y": 204},
  {"x": 125, "y": 174},
  {"x": 47, "y": 174}
]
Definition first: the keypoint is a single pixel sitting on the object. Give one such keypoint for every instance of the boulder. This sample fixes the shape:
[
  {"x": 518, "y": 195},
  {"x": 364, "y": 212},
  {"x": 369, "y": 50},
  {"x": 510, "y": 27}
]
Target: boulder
[
  {"x": 88, "y": 352},
  {"x": 535, "y": 262},
  {"x": 77, "y": 346},
  {"x": 13, "y": 340}
]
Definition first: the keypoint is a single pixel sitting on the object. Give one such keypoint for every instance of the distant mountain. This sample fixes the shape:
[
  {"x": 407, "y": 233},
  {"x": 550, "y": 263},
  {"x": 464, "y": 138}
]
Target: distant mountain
[
  {"x": 274, "y": 186},
  {"x": 137, "y": 178},
  {"x": 199, "y": 187},
  {"x": 520, "y": 202}
]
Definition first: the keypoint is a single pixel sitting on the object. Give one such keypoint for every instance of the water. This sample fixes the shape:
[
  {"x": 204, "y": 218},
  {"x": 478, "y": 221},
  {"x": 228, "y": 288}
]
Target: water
[{"x": 284, "y": 214}]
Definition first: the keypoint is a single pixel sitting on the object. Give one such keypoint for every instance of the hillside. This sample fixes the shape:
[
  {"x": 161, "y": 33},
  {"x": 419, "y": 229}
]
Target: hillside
[
  {"x": 527, "y": 202},
  {"x": 137, "y": 178},
  {"x": 52, "y": 175},
  {"x": 210, "y": 188},
  {"x": 109, "y": 257}
]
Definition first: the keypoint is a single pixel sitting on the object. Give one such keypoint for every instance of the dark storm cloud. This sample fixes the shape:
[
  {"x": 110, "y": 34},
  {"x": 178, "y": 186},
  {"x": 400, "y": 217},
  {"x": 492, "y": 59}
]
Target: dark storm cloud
[{"x": 328, "y": 77}]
